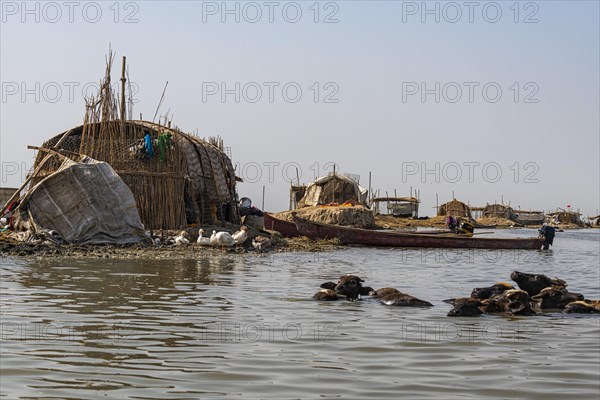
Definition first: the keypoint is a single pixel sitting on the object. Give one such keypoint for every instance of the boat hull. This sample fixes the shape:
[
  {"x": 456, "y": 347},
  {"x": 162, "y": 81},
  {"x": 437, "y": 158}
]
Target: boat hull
[
  {"x": 365, "y": 237},
  {"x": 286, "y": 228}
]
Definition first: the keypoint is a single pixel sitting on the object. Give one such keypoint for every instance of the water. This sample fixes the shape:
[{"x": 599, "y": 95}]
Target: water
[{"x": 245, "y": 327}]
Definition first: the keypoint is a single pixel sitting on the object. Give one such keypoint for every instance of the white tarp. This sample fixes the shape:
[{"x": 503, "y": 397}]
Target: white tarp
[{"x": 84, "y": 203}]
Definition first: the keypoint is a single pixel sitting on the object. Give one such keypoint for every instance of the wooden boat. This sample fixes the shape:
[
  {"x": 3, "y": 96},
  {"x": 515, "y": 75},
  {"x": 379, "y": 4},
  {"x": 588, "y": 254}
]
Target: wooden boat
[
  {"x": 366, "y": 237},
  {"x": 286, "y": 228}
]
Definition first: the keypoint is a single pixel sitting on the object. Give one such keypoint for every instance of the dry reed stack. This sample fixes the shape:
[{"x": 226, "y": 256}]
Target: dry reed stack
[{"x": 455, "y": 208}]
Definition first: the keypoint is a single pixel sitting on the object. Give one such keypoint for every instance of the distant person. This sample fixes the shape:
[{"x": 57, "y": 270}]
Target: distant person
[
  {"x": 451, "y": 223},
  {"x": 547, "y": 232}
]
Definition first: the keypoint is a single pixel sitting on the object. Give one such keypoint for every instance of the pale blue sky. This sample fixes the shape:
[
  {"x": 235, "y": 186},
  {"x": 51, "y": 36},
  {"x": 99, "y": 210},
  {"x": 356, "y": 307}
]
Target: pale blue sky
[{"x": 371, "y": 56}]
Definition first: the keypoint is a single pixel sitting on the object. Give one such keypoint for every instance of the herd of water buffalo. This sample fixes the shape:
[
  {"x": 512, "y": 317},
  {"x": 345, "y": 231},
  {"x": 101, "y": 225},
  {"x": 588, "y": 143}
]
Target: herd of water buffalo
[{"x": 536, "y": 293}]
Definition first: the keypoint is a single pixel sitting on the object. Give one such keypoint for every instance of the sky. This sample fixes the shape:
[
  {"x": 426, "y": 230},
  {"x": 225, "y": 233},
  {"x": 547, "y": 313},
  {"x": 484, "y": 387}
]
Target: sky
[{"x": 489, "y": 101}]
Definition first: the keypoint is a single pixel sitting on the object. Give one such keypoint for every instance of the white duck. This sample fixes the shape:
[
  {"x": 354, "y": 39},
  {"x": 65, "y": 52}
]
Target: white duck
[
  {"x": 213, "y": 239},
  {"x": 222, "y": 239},
  {"x": 182, "y": 238},
  {"x": 203, "y": 241},
  {"x": 240, "y": 236}
]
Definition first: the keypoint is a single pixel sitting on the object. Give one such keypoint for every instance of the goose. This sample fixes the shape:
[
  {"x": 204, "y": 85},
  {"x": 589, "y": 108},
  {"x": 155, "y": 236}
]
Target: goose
[
  {"x": 203, "y": 241},
  {"x": 240, "y": 236},
  {"x": 224, "y": 239},
  {"x": 182, "y": 238},
  {"x": 213, "y": 239}
]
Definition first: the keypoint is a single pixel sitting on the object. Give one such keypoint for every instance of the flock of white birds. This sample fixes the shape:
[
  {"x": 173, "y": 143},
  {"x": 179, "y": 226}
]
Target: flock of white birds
[{"x": 223, "y": 239}]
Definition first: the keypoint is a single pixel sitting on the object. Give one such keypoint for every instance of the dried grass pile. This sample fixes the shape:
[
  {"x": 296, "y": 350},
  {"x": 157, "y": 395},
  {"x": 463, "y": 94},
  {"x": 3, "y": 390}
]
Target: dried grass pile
[{"x": 355, "y": 216}]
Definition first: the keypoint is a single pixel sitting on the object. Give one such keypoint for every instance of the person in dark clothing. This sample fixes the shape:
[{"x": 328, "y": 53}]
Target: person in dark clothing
[
  {"x": 246, "y": 208},
  {"x": 548, "y": 233},
  {"x": 451, "y": 223}
]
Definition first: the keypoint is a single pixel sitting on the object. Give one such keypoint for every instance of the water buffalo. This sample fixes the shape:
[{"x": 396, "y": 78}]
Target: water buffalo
[
  {"x": 465, "y": 307},
  {"x": 555, "y": 298},
  {"x": 534, "y": 283}
]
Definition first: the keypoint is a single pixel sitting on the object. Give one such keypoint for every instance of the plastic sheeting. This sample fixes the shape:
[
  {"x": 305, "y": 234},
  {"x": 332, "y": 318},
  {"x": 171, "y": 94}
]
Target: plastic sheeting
[{"x": 83, "y": 203}]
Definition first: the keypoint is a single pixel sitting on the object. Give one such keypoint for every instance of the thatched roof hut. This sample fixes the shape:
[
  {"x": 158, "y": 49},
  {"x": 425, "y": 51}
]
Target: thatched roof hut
[
  {"x": 182, "y": 180},
  {"x": 499, "y": 211},
  {"x": 397, "y": 206},
  {"x": 530, "y": 217},
  {"x": 455, "y": 208},
  {"x": 333, "y": 188},
  {"x": 565, "y": 217}
]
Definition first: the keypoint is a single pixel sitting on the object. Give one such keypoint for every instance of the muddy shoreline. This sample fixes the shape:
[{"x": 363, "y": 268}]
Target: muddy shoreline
[{"x": 146, "y": 250}]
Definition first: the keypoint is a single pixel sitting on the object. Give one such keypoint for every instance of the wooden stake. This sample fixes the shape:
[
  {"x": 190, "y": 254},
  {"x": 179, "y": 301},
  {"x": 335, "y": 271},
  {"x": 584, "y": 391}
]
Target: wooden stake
[
  {"x": 160, "y": 102},
  {"x": 370, "y": 190},
  {"x": 123, "y": 80}
]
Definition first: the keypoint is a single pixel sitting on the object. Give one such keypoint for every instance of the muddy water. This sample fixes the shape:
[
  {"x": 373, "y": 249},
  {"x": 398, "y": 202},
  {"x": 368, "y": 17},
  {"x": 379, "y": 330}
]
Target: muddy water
[{"x": 245, "y": 327}]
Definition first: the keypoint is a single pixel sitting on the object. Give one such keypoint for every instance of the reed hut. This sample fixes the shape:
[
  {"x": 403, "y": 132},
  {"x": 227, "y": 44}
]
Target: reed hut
[
  {"x": 499, "y": 211},
  {"x": 530, "y": 217},
  {"x": 403, "y": 207},
  {"x": 333, "y": 188},
  {"x": 177, "y": 179},
  {"x": 565, "y": 218},
  {"x": 455, "y": 208}
]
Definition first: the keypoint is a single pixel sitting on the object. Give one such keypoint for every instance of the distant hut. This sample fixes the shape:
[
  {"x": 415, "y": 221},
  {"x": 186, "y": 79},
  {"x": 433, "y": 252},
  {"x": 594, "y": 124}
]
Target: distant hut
[
  {"x": 403, "y": 207},
  {"x": 564, "y": 218},
  {"x": 499, "y": 211},
  {"x": 530, "y": 217},
  {"x": 333, "y": 188},
  {"x": 296, "y": 194},
  {"x": 477, "y": 212},
  {"x": 455, "y": 208}
]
